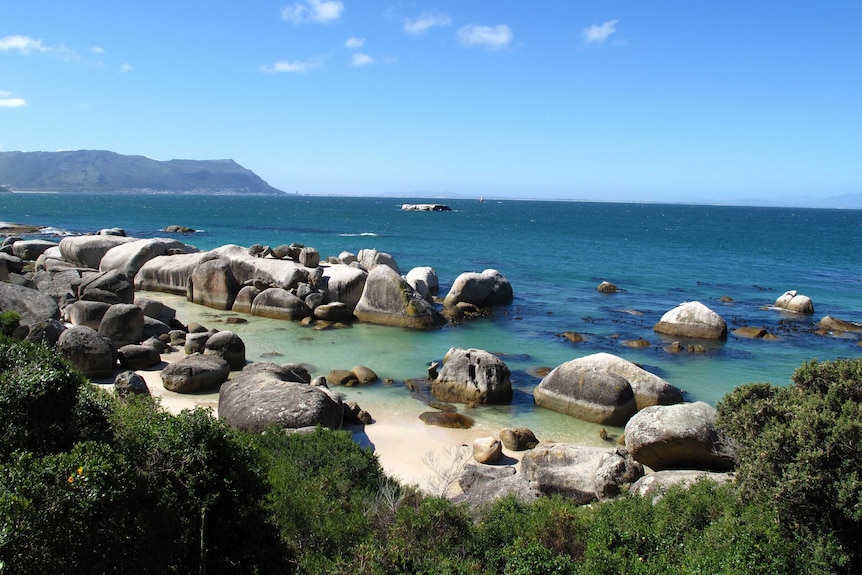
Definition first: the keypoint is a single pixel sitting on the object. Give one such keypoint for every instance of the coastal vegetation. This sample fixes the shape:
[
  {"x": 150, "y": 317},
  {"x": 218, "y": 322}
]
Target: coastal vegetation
[{"x": 91, "y": 483}]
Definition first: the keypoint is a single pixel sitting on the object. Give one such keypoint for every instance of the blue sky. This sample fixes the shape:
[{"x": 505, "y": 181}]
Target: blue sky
[{"x": 595, "y": 99}]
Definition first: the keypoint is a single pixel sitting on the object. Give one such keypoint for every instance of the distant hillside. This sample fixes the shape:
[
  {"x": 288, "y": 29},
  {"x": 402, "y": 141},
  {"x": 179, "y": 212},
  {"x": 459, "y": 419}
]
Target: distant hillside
[{"x": 101, "y": 171}]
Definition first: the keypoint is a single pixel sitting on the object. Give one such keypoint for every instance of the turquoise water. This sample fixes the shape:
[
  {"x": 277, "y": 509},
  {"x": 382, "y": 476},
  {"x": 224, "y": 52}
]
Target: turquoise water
[{"x": 554, "y": 254}]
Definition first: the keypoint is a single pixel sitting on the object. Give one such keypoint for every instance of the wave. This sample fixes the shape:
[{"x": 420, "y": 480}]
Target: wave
[
  {"x": 49, "y": 231},
  {"x": 362, "y": 234}
]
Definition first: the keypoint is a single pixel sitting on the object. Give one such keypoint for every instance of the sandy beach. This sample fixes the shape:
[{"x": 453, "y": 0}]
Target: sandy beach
[{"x": 409, "y": 450}]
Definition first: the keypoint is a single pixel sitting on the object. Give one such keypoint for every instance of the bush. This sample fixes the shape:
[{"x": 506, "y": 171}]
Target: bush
[
  {"x": 801, "y": 452},
  {"x": 9, "y": 322}
]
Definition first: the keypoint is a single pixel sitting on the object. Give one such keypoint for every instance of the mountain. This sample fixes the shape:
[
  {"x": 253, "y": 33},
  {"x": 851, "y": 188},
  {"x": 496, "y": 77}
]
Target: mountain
[{"x": 101, "y": 171}]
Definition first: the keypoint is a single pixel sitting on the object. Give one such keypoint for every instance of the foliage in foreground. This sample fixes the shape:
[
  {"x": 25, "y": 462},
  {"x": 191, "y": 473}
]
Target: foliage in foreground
[{"x": 89, "y": 484}]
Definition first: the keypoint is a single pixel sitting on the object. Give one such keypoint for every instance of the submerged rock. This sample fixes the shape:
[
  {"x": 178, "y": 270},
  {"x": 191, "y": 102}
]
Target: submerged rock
[{"x": 448, "y": 419}]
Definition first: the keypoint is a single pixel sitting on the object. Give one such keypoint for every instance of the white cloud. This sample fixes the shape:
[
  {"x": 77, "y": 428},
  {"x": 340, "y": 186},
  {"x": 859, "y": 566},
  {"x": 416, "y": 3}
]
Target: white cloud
[
  {"x": 297, "y": 66},
  {"x": 22, "y": 44},
  {"x": 323, "y": 11},
  {"x": 492, "y": 37},
  {"x": 426, "y": 20},
  {"x": 11, "y": 102},
  {"x": 126, "y": 67},
  {"x": 354, "y": 43},
  {"x": 360, "y": 59},
  {"x": 598, "y": 33},
  {"x": 97, "y": 50}
]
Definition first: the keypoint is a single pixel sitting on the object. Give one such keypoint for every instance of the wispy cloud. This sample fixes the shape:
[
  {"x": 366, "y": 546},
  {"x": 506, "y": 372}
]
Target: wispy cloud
[
  {"x": 323, "y": 11},
  {"x": 22, "y": 44},
  {"x": 97, "y": 50},
  {"x": 425, "y": 21},
  {"x": 295, "y": 67},
  {"x": 126, "y": 67},
  {"x": 360, "y": 59},
  {"x": 7, "y": 100},
  {"x": 354, "y": 43},
  {"x": 491, "y": 37},
  {"x": 598, "y": 33}
]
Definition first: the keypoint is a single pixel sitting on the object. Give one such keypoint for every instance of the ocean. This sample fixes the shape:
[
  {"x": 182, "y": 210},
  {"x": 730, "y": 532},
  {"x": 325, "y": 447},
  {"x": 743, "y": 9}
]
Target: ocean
[{"x": 555, "y": 254}]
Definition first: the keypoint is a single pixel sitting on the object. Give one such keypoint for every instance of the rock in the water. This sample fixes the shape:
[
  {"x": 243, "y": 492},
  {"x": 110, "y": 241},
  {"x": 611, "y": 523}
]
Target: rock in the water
[
  {"x": 448, "y": 419},
  {"x": 692, "y": 319},
  {"x": 795, "y": 302},
  {"x": 479, "y": 289},
  {"x": 129, "y": 383},
  {"x": 424, "y": 275},
  {"x": 473, "y": 376},
  {"x": 371, "y": 258},
  {"x": 228, "y": 346},
  {"x": 585, "y": 474},
  {"x": 389, "y": 300},
  {"x": 30, "y": 304},
  {"x": 195, "y": 373},
  {"x": 606, "y": 287},
  {"x": 344, "y": 284},
  {"x": 265, "y": 396},
  {"x": 277, "y": 303},
  {"x": 518, "y": 438},
  {"x": 750, "y": 332},
  {"x": 587, "y": 393},
  {"x": 87, "y": 351},
  {"x": 487, "y": 450},
  {"x": 681, "y": 436},
  {"x": 123, "y": 323},
  {"x": 835, "y": 325}
]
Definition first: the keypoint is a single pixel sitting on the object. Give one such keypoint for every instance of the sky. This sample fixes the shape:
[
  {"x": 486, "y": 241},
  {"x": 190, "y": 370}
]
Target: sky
[{"x": 693, "y": 101}]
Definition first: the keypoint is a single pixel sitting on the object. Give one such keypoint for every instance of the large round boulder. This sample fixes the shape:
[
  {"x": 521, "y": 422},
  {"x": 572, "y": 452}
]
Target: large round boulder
[
  {"x": 212, "y": 283},
  {"x": 649, "y": 389},
  {"x": 480, "y": 289},
  {"x": 228, "y": 346},
  {"x": 344, "y": 284},
  {"x": 168, "y": 273},
  {"x": 88, "y": 313},
  {"x": 195, "y": 373},
  {"x": 681, "y": 436},
  {"x": 28, "y": 303},
  {"x": 123, "y": 323},
  {"x": 473, "y": 376},
  {"x": 277, "y": 303},
  {"x": 128, "y": 258},
  {"x": 262, "y": 397},
  {"x": 88, "y": 251},
  {"x": 692, "y": 319},
  {"x": 389, "y": 300},
  {"x": 46, "y": 332},
  {"x": 587, "y": 393},
  {"x": 371, "y": 258},
  {"x": 110, "y": 287},
  {"x": 30, "y": 250},
  {"x": 795, "y": 302},
  {"x": 245, "y": 299},
  {"x": 136, "y": 356},
  {"x": 87, "y": 351}
]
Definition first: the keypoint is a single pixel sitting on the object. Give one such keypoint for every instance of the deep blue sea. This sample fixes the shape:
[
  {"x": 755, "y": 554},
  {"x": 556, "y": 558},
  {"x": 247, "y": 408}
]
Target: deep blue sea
[{"x": 554, "y": 254}]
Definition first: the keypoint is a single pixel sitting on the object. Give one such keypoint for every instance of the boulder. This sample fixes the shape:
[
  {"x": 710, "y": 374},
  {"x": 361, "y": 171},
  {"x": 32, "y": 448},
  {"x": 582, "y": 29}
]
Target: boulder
[
  {"x": 389, "y": 300},
  {"x": 156, "y": 309},
  {"x": 344, "y": 284},
  {"x": 46, "y": 332},
  {"x": 110, "y": 287},
  {"x": 334, "y": 312},
  {"x": 795, "y": 302},
  {"x": 30, "y": 250},
  {"x": 123, "y": 324},
  {"x": 448, "y": 419},
  {"x": 584, "y": 474},
  {"x": 213, "y": 284},
  {"x": 472, "y": 376},
  {"x": 692, "y": 319},
  {"x": 518, "y": 438},
  {"x": 371, "y": 258},
  {"x": 88, "y": 251},
  {"x": 87, "y": 351},
  {"x": 228, "y": 346},
  {"x": 60, "y": 282},
  {"x": 88, "y": 313},
  {"x": 128, "y": 258},
  {"x": 833, "y": 324},
  {"x": 342, "y": 377},
  {"x": 256, "y": 399},
  {"x": 136, "y": 356},
  {"x": 195, "y": 373},
  {"x": 168, "y": 273},
  {"x": 245, "y": 299},
  {"x": 13, "y": 264},
  {"x": 607, "y": 287},
  {"x": 425, "y": 275},
  {"x": 480, "y": 289},
  {"x": 587, "y": 393},
  {"x": 487, "y": 450},
  {"x": 656, "y": 484},
  {"x": 308, "y": 257},
  {"x": 649, "y": 389},
  {"x": 28, "y": 303},
  {"x": 364, "y": 375},
  {"x": 482, "y": 485},
  {"x": 681, "y": 436},
  {"x": 277, "y": 303},
  {"x": 129, "y": 383},
  {"x": 195, "y": 342}
]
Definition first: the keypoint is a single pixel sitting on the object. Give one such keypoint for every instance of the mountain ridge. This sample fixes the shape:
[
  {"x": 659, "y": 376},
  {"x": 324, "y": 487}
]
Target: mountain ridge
[{"x": 77, "y": 171}]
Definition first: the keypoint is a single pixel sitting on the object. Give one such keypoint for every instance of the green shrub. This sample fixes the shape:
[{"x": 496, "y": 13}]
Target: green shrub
[
  {"x": 40, "y": 402},
  {"x": 9, "y": 322},
  {"x": 801, "y": 453}
]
